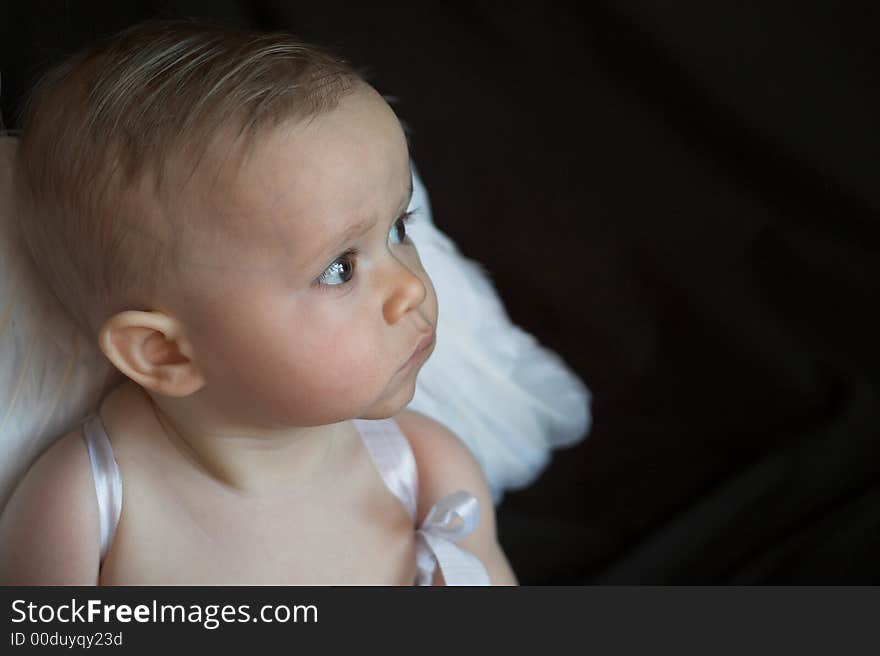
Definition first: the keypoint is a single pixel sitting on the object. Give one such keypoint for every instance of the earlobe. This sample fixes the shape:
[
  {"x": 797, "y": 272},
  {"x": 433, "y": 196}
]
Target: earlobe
[{"x": 151, "y": 349}]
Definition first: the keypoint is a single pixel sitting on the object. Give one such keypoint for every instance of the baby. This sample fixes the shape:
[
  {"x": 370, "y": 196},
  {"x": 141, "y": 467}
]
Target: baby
[{"x": 225, "y": 212}]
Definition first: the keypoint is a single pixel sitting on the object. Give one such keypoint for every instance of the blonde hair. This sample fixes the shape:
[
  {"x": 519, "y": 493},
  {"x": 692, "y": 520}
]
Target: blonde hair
[{"x": 134, "y": 115}]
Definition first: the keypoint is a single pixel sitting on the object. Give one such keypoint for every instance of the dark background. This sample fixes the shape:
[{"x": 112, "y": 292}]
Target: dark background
[{"x": 680, "y": 198}]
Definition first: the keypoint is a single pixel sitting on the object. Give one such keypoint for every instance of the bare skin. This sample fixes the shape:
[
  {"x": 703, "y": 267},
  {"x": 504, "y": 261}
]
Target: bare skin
[
  {"x": 233, "y": 436},
  {"x": 182, "y": 525}
]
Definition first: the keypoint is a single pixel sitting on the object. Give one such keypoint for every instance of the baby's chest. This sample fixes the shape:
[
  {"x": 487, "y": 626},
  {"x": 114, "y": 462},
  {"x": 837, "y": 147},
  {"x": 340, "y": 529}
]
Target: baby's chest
[{"x": 334, "y": 539}]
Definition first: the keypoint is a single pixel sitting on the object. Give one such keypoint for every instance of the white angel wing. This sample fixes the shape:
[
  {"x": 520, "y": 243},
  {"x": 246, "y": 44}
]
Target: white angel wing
[
  {"x": 508, "y": 398},
  {"x": 49, "y": 377}
]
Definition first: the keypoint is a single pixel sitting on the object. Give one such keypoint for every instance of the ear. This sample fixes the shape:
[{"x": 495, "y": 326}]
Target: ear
[{"x": 152, "y": 349}]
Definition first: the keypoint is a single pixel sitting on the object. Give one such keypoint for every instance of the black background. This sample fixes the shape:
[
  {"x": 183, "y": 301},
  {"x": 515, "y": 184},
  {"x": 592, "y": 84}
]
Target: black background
[{"x": 680, "y": 198}]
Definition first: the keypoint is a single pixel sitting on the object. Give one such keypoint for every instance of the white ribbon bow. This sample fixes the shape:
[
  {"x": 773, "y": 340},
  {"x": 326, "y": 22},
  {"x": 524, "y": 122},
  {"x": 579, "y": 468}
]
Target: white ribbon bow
[{"x": 452, "y": 518}]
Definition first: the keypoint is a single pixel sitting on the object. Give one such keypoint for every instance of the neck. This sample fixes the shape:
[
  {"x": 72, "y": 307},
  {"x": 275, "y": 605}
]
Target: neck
[{"x": 248, "y": 459}]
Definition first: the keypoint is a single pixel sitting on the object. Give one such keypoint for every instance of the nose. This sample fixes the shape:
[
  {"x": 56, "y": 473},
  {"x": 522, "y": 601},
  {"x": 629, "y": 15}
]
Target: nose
[{"x": 406, "y": 292}]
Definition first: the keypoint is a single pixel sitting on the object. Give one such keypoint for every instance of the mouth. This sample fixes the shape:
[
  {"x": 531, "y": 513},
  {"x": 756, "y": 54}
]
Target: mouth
[{"x": 422, "y": 350}]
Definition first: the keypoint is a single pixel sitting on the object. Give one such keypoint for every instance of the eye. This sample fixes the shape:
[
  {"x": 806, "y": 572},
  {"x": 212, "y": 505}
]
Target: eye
[
  {"x": 398, "y": 230},
  {"x": 341, "y": 271}
]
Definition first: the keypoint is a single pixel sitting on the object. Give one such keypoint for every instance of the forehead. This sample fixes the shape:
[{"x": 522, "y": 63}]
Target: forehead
[{"x": 312, "y": 177}]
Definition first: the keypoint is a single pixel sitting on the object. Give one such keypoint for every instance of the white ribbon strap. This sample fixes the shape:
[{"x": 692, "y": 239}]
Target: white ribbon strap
[
  {"x": 452, "y": 518},
  {"x": 108, "y": 482}
]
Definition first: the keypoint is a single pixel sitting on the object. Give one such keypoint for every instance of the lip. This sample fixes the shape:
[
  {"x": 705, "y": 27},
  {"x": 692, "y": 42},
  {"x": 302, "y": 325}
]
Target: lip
[{"x": 422, "y": 350}]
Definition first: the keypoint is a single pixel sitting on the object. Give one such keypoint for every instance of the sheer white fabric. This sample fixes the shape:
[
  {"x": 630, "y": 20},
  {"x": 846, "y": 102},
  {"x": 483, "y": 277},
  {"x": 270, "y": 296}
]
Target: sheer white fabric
[
  {"x": 51, "y": 378},
  {"x": 508, "y": 398}
]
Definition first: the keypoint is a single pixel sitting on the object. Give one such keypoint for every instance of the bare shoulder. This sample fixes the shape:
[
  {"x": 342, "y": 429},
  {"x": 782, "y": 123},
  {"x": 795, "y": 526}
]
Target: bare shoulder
[
  {"x": 49, "y": 528},
  {"x": 446, "y": 465}
]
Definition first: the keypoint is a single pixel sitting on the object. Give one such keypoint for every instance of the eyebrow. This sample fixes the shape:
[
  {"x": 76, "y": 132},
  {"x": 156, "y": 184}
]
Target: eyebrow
[{"x": 358, "y": 229}]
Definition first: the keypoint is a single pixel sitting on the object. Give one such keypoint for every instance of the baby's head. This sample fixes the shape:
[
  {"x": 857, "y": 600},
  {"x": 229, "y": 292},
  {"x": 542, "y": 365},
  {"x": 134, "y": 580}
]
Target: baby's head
[{"x": 223, "y": 211}]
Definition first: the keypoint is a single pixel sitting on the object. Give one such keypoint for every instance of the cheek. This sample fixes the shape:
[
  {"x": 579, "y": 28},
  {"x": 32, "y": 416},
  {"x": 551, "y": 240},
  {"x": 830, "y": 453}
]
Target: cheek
[
  {"x": 341, "y": 373},
  {"x": 329, "y": 352},
  {"x": 314, "y": 375}
]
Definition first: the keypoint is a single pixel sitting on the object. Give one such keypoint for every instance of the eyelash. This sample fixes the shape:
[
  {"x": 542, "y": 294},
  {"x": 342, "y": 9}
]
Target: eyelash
[{"x": 350, "y": 256}]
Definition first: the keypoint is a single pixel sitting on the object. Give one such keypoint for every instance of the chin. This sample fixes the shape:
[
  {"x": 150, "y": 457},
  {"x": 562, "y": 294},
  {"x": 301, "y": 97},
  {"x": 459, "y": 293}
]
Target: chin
[{"x": 391, "y": 407}]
